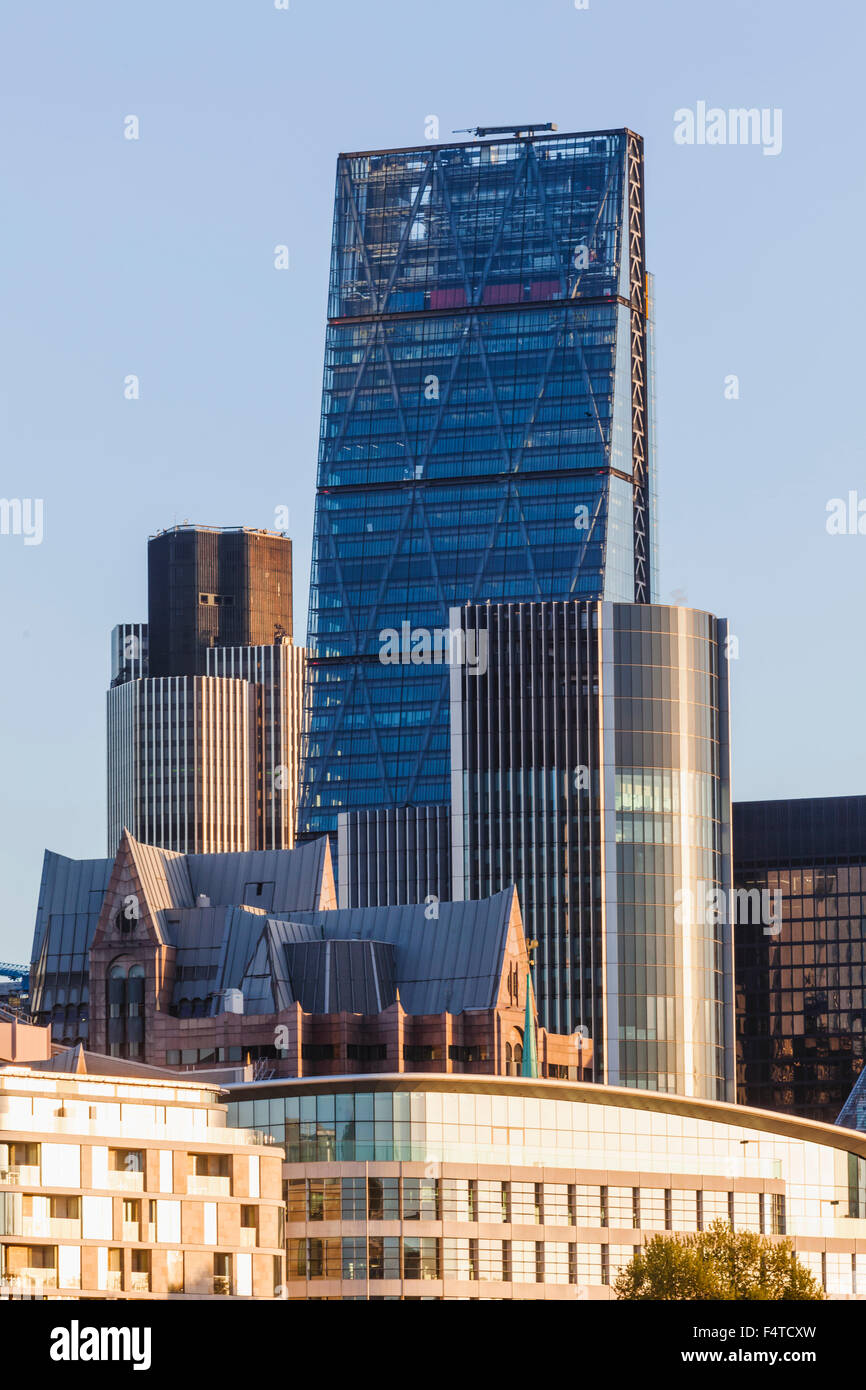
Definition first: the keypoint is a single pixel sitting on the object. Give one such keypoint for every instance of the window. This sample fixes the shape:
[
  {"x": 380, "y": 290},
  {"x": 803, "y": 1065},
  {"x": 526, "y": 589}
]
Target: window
[
  {"x": 655, "y": 1209},
  {"x": 140, "y": 1271},
  {"x": 557, "y": 1262},
  {"x": 325, "y": 1259},
  {"x": 420, "y": 1199},
  {"x": 456, "y": 1200},
  {"x": 354, "y": 1199},
  {"x": 324, "y": 1199},
  {"x": 558, "y": 1204},
  {"x": 131, "y": 1218},
  {"x": 384, "y": 1257},
  {"x": 296, "y": 1199},
  {"x": 622, "y": 1207},
  {"x": 354, "y": 1257},
  {"x": 526, "y": 1203},
  {"x": 222, "y": 1273},
  {"x": 249, "y": 1225},
  {"x": 492, "y": 1198},
  {"x": 420, "y": 1257},
  {"x": 417, "y": 1052},
  {"x": 525, "y": 1261},
  {"x": 64, "y": 1208},
  {"x": 126, "y": 1160},
  {"x": 383, "y": 1199}
]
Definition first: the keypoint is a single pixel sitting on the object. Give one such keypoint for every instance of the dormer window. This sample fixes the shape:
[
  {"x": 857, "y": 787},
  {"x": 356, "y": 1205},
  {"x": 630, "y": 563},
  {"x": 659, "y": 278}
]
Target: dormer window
[{"x": 123, "y": 923}]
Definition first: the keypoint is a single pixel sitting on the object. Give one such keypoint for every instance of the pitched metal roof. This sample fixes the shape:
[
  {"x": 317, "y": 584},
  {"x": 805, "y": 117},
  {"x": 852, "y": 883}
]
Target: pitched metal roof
[
  {"x": 73, "y": 889},
  {"x": 277, "y": 880},
  {"x": 443, "y": 964},
  {"x": 283, "y": 949}
]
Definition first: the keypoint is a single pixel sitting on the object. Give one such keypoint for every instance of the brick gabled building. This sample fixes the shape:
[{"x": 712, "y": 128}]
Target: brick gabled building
[{"x": 222, "y": 960}]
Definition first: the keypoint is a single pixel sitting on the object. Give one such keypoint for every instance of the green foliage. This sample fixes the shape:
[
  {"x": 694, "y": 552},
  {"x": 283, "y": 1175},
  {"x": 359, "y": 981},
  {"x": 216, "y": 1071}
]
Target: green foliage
[{"x": 717, "y": 1264}]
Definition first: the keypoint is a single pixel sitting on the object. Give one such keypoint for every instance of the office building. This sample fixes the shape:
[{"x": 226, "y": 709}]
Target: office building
[
  {"x": 223, "y": 961},
  {"x": 591, "y": 767},
  {"x": 206, "y": 698},
  {"x": 486, "y": 431},
  {"x": 125, "y": 1183},
  {"x": 466, "y": 1187},
  {"x": 211, "y": 586},
  {"x": 801, "y": 979}
]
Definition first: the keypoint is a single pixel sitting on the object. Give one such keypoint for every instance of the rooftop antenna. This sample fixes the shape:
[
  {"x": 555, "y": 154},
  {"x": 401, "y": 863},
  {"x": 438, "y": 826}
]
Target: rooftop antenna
[{"x": 529, "y": 129}]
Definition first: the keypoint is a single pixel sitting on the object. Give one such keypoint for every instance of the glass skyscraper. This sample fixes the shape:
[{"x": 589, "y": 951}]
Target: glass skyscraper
[{"x": 485, "y": 431}]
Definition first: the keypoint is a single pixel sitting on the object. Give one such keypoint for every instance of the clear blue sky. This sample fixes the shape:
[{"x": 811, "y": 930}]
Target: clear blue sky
[{"x": 155, "y": 257}]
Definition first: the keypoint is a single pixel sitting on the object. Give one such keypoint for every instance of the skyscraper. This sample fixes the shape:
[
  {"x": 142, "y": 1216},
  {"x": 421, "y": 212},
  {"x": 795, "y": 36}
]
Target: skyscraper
[
  {"x": 212, "y": 586},
  {"x": 486, "y": 431},
  {"x": 591, "y": 768},
  {"x": 206, "y": 699},
  {"x": 801, "y": 962}
]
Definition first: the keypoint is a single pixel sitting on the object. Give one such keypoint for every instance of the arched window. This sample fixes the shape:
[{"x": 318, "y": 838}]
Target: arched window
[{"x": 125, "y": 1009}]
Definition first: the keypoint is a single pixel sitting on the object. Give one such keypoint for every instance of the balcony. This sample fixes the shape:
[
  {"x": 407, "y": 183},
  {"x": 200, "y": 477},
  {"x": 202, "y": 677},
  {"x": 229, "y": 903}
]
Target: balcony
[
  {"x": 122, "y": 1181},
  {"x": 139, "y": 1282},
  {"x": 248, "y": 1237},
  {"x": 199, "y": 1185},
  {"x": 30, "y": 1279},
  {"x": 222, "y": 1284},
  {"x": 114, "y": 1281},
  {"x": 131, "y": 1231}
]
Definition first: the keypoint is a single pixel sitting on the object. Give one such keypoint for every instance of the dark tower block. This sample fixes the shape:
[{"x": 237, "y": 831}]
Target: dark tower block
[{"x": 215, "y": 588}]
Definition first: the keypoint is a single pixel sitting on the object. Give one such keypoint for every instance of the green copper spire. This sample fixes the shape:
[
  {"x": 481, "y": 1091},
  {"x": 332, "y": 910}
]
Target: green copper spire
[{"x": 529, "y": 1065}]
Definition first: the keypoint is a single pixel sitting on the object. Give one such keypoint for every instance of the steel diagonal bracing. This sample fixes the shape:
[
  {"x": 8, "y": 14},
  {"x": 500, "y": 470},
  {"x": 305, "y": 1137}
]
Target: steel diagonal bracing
[
  {"x": 533, "y": 167},
  {"x": 599, "y": 210},
  {"x": 333, "y": 445},
  {"x": 581, "y": 556},
  {"x": 405, "y": 234},
  {"x": 444, "y": 399},
  {"x": 349, "y": 195},
  {"x": 449, "y": 211},
  {"x": 506, "y": 208}
]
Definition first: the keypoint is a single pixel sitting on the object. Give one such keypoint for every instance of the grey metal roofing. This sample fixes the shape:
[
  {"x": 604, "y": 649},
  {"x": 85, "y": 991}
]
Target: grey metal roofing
[
  {"x": 290, "y": 879},
  {"x": 172, "y": 882},
  {"x": 352, "y": 959},
  {"x": 164, "y": 875},
  {"x": 330, "y": 976},
  {"x": 74, "y": 889},
  {"x": 444, "y": 964}
]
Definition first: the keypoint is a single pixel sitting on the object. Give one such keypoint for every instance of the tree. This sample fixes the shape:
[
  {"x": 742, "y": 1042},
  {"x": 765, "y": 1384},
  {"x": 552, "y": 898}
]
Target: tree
[{"x": 717, "y": 1264}]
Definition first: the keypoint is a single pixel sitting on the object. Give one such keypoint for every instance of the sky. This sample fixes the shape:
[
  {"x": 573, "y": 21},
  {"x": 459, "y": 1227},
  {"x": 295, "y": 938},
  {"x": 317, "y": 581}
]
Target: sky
[{"x": 155, "y": 258}]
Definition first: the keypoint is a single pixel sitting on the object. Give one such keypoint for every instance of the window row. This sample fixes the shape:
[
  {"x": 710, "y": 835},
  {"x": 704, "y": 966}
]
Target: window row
[{"x": 530, "y": 1203}]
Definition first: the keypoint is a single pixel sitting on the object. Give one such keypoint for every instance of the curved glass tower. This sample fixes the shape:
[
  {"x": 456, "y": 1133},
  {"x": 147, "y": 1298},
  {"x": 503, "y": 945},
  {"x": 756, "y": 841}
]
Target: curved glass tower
[
  {"x": 485, "y": 431},
  {"x": 591, "y": 767}
]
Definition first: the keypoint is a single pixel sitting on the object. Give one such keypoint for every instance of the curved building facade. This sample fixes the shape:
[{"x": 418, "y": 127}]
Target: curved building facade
[
  {"x": 590, "y": 766},
  {"x": 446, "y": 1187}
]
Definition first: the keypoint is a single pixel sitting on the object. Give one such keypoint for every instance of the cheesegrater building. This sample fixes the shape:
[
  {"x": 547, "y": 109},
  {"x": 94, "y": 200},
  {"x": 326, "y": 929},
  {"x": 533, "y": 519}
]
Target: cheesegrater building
[{"x": 486, "y": 429}]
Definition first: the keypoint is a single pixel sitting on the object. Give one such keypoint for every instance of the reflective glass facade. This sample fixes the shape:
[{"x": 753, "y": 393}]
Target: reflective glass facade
[
  {"x": 801, "y": 981},
  {"x": 591, "y": 768},
  {"x": 414, "y": 1187},
  {"x": 485, "y": 429}
]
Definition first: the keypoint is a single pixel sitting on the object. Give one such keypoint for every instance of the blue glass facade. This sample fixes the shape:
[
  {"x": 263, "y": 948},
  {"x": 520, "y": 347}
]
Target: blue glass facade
[{"x": 485, "y": 381}]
